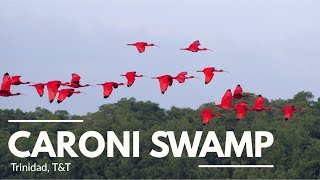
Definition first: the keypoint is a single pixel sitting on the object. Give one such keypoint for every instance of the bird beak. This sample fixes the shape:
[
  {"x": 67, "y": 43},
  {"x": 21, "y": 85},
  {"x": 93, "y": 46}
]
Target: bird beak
[
  {"x": 157, "y": 46},
  {"x": 210, "y": 50}
]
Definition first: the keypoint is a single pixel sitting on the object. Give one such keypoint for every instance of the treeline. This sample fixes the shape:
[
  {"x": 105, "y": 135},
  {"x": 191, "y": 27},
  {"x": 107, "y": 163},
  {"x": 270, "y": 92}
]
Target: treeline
[{"x": 295, "y": 151}]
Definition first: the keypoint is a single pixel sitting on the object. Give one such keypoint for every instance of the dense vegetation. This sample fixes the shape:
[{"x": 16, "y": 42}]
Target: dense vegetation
[{"x": 295, "y": 151}]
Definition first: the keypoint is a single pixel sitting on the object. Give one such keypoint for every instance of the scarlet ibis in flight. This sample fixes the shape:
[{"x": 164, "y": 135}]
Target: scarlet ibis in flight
[
  {"x": 165, "y": 81},
  {"x": 241, "y": 108},
  {"x": 194, "y": 47},
  {"x": 226, "y": 100},
  {"x": 53, "y": 87},
  {"x": 75, "y": 82},
  {"x": 238, "y": 93},
  {"x": 141, "y": 46},
  {"x": 207, "y": 115},
  {"x": 15, "y": 80},
  {"x": 258, "y": 104},
  {"x": 209, "y": 73},
  {"x": 182, "y": 76},
  {"x": 288, "y": 111},
  {"x": 39, "y": 87},
  {"x": 108, "y": 88},
  {"x": 6, "y": 86},
  {"x": 131, "y": 77},
  {"x": 64, "y": 93}
]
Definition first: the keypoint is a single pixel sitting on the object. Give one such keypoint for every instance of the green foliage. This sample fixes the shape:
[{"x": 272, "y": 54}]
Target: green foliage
[{"x": 295, "y": 152}]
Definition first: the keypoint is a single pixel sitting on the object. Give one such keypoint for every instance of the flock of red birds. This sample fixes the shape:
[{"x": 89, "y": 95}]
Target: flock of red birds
[{"x": 165, "y": 81}]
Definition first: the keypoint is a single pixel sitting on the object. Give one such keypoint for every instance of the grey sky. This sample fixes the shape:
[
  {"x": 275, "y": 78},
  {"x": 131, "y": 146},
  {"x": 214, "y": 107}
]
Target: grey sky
[{"x": 270, "y": 47}]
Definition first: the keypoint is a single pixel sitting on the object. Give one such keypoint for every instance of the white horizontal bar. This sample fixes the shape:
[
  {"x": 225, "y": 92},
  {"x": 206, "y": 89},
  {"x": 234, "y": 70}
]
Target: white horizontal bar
[
  {"x": 236, "y": 166},
  {"x": 31, "y": 121}
]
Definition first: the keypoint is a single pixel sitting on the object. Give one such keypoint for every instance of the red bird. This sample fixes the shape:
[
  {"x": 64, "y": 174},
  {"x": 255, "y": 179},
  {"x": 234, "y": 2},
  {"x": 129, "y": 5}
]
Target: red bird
[
  {"x": 6, "y": 86},
  {"x": 141, "y": 46},
  {"x": 15, "y": 80},
  {"x": 108, "y": 88},
  {"x": 258, "y": 104},
  {"x": 131, "y": 77},
  {"x": 238, "y": 93},
  {"x": 75, "y": 82},
  {"x": 64, "y": 93},
  {"x": 207, "y": 115},
  {"x": 165, "y": 81},
  {"x": 241, "y": 109},
  {"x": 194, "y": 47},
  {"x": 182, "y": 76},
  {"x": 288, "y": 111},
  {"x": 39, "y": 87},
  {"x": 209, "y": 73},
  {"x": 226, "y": 100},
  {"x": 53, "y": 87}
]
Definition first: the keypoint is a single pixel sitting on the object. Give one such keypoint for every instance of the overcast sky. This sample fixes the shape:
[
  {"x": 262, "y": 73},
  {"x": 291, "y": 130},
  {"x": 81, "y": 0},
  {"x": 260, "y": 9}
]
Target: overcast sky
[{"x": 270, "y": 48}]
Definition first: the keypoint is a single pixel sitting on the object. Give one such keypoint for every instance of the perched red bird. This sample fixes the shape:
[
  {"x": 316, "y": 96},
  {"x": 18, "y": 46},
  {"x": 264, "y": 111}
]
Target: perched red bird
[
  {"x": 64, "y": 93},
  {"x": 207, "y": 115},
  {"x": 226, "y": 100},
  {"x": 241, "y": 109},
  {"x": 258, "y": 104},
  {"x": 108, "y": 88},
  {"x": 53, "y": 87},
  {"x": 238, "y": 93},
  {"x": 288, "y": 111},
  {"x": 131, "y": 77},
  {"x": 141, "y": 46},
  {"x": 39, "y": 87},
  {"x": 182, "y": 76},
  {"x": 6, "y": 86},
  {"x": 75, "y": 82},
  {"x": 194, "y": 47},
  {"x": 15, "y": 80},
  {"x": 209, "y": 73},
  {"x": 165, "y": 81}
]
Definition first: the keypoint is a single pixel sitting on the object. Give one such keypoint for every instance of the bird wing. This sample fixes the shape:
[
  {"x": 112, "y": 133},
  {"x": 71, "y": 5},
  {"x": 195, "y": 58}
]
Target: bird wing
[
  {"x": 164, "y": 84},
  {"x": 209, "y": 76},
  {"x": 131, "y": 80},
  {"x": 6, "y": 82},
  {"x": 141, "y": 48},
  {"x": 241, "y": 112},
  {"x": 194, "y": 45},
  {"x": 170, "y": 81},
  {"x": 258, "y": 104},
  {"x": 63, "y": 94},
  {"x": 107, "y": 89},
  {"x": 52, "y": 89},
  {"x": 180, "y": 79},
  {"x": 40, "y": 89},
  {"x": 75, "y": 78},
  {"x": 227, "y": 97},
  {"x": 206, "y": 115},
  {"x": 288, "y": 111},
  {"x": 238, "y": 90}
]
